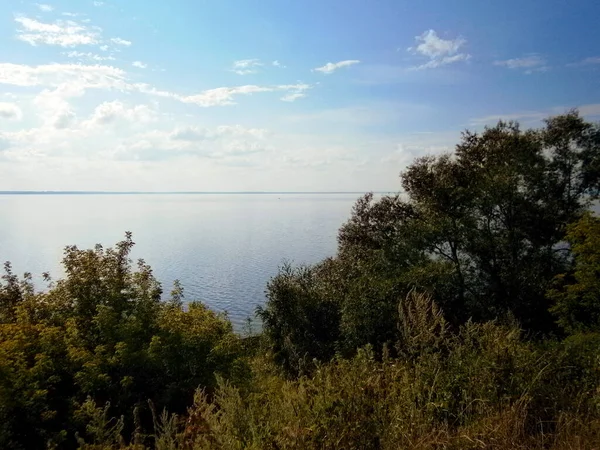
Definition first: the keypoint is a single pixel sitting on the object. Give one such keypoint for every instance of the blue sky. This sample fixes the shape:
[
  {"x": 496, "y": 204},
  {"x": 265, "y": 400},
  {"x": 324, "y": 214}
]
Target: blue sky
[{"x": 274, "y": 96}]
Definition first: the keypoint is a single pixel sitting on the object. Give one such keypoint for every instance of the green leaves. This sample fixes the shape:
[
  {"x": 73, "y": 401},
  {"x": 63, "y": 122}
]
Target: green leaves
[
  {"x": 479, "y": 230},
  {"x": 576, "y": 293},
  {"x": 101, "y": 334}
]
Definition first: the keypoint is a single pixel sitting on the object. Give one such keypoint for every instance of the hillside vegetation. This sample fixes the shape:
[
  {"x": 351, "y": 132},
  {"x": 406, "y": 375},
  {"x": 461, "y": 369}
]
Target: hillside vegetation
[{"x": 462, "y": 314}]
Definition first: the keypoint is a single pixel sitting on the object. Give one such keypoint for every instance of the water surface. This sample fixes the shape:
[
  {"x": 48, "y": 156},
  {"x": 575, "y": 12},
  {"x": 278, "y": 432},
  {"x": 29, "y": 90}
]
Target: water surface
[{"x": 222, "y": 247}]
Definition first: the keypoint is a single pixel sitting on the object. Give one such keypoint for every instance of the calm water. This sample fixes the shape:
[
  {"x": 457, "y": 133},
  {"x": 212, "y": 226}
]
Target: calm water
[{"x": 222, "y": 247}]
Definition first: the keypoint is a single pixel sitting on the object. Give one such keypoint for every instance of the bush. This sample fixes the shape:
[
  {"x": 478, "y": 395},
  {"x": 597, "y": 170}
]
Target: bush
[
  {"x": 487, "y": 389},
  {"x": 102, "y": 335}
]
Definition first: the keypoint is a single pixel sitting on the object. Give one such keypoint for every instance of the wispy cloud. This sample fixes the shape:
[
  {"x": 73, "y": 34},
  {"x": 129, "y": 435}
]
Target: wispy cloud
[
  {"x": 295, "y": 91},
  {"x": 193, "y": 133},
  {"x": 228, "y": 142},
  {"x": 64, "y": 33},
  {"x": 440, "y": 52},
  {"x": 115, "y": 111},
  {"x": 278, "y": 64},
  {"x": 139, "y": 64},
  {"x": 525, "y": 117},
  {"x": 45, "y": 8},
  {"x": 246, "y": 66},
  {"x": 83, "y": 56},
  {"x": 587, "y": 110},
  {"x": 97, "y": 3},
  {"x": 293, "y": 96},
  {"x": 120, "y": 41},
  {"x": 329, "y": 68},
  {"x": 530, "y": 63},
  {"x": 10, "y": 111},
  {"x": 591, "y": 60},
  {"x": 79, "y": 76},
  {"x": 54, "y": 75},
  {"x": 586, "y": 61},
  {"x": 223, "y": 96}
]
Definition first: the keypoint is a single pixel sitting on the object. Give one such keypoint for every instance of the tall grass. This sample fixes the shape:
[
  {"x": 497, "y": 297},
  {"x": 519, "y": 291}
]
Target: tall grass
[{"x": 481, "y": 386}]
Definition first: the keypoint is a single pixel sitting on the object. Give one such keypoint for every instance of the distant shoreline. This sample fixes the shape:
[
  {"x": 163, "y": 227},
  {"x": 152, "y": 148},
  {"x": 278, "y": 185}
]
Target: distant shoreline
[{"x": 179, "y": 193}]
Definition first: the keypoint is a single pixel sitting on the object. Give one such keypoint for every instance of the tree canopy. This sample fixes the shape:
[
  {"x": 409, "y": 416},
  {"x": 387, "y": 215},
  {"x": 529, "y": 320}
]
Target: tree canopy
[
  {"x": 483, "y": 230},
  {"x": 101, "y": 333}
]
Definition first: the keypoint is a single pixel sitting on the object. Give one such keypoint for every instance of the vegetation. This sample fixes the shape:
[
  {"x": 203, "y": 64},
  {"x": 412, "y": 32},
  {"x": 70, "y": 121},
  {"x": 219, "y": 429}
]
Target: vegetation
[
  {"x": 101, "y": 336},
  {"x": 464, "y": 313}
]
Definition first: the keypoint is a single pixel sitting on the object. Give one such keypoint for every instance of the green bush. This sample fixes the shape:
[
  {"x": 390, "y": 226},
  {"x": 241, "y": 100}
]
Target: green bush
[
  {"x": 576, "y": 293},
  {"x": 487, "y": 388},
  {"x": 102, "y": 334}
]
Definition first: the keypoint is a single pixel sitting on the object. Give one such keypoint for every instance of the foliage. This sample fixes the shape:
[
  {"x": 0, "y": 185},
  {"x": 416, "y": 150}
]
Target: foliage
[
  {"x": 481, "y": 230},
  {"x": 577, "y": 292},
  {"x": 488, "y": 388},
  {"x": 300, "y": 315},
  {"x": 101, "y": 335}
]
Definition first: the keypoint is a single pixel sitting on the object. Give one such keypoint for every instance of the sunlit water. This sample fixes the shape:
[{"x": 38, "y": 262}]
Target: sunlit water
[{"x": 222, "y": 247}]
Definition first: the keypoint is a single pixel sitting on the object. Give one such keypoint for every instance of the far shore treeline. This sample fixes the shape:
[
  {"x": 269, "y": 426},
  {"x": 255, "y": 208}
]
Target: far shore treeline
[{"x": 462, "y": 314}]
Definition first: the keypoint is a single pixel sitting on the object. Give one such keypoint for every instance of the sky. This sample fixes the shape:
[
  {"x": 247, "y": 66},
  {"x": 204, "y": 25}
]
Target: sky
[{"x": 265, "y": 95}]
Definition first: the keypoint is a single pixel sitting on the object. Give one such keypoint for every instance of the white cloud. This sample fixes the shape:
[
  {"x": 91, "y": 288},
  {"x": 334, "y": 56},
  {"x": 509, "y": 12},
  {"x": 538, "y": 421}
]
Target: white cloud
[
  {"x": 440, "y": 52},
  {"x": 10, "y": 111},
  {"x": 139, "y": 64},
  {"x": 82, "y": 77},
  {"x": 119, "y": 41},
  {"x": 221, "y": 96},
  {"x": 240, "y": 148},
  {"x": 587, "y": 61},
  {"x": 225, "y": 95},
  {"x": 590, "y": 110},
  {"x": 55, "y": 75},
  {"x": 62, "y": 82},
  {"x": 329, "y": 68},
  {"x": 406, "y": 153},
  {"x": 97, "y": 3},
  {"x": 293, "y": 96},
  {"x": 54, "y": 107},
  {"x": 492, "y": 119},
  {"x": 226, "y": 144},
  {"x": 278, "y": 64},
  {"x": 112, "y": 112},
  {"x": 45, "y": 8},
  {"x": 88, "y": 56},
  {"x": 432, "y": 46},
  {"x": 193, "y": 133},
  {"x": 246, "y": 63},
  {"x": 246, "y": 66},
  {"x": 531, "y": 63},
  {"x": 64, "y": 33}
]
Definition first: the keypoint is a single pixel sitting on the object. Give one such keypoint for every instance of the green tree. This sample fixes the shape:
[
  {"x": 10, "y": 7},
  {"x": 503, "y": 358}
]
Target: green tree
[
  {"x": 499, "y": 207},
  {"x": 577, "y": 293},
  {"x": 480, "y": 230},
  {"x": 103, "y": 335}
]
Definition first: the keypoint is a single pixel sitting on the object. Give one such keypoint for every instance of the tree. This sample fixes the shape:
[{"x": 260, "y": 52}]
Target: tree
[
  {"x": 103, "y": 335},
  {"x": 480, "y": 230},
  {"x": 498, "y": 209},
  {"x": 577, "y": 293}
]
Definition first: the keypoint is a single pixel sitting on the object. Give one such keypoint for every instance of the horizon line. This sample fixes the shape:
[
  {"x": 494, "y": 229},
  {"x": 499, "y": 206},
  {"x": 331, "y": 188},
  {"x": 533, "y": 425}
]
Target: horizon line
[{"x": 50, "y": 192}]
